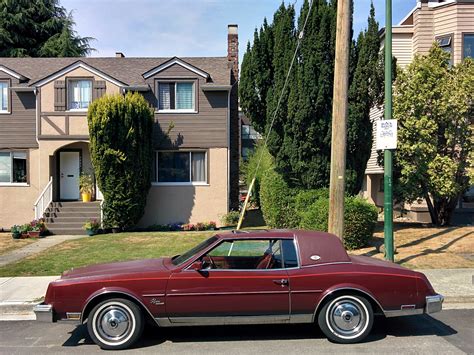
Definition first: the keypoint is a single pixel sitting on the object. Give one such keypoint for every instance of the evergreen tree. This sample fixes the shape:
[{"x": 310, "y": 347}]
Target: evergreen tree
[
  {"x": 363, "y": 94},
  {"x": 39, "y": 28}
]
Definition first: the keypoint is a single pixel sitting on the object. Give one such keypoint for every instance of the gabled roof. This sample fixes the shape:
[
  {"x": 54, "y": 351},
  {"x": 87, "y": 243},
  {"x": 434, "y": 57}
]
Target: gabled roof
[
  {"x": 69, "y": 68},
  {"x": 177, "y": 61},
  {"x": 12, "y": 73},
  {"x": 126, "y": 70}
]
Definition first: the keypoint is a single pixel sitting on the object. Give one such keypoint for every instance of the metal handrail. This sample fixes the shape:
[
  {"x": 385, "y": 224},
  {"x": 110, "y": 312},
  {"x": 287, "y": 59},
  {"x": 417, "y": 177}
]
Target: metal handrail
[{"x": 44, "y": 199}]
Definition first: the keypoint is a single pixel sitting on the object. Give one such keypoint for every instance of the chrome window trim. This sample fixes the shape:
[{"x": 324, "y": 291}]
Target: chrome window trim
[{"x": 330, "y": 263}]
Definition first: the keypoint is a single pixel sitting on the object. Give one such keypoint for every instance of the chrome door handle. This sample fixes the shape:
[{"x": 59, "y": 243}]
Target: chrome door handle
[{"x": 282, "y": 282}]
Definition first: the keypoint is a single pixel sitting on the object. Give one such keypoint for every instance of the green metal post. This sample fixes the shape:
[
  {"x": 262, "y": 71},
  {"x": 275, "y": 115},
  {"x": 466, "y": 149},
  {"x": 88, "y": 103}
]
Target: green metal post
[{"x": 388, "y": 198}]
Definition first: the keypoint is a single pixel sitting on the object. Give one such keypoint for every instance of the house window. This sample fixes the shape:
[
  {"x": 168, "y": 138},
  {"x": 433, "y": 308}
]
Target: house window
[
  {"x": 177, "y": 96},
  {"x": 80, "y": 94},
  {"x": 446, "y": 45},
  {"x": 3, "y": 96},
  {"x": 248, "y": 132},
  {"x": 13, "y": 167},
  {"x": 468, "y": 45},
  {"x": 181, "y": 167}
]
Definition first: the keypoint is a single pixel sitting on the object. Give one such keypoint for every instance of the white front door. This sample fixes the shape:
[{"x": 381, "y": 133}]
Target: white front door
[{"x": 69, "y": 169}]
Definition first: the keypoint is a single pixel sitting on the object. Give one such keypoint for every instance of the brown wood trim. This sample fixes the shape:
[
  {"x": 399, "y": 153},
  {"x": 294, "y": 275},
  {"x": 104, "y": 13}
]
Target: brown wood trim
[
  {"x": 52, "y": 124},
  {"x": 463, "y": 34},
  {"x": 64, "y": 137},
  {"x": 64, "y": 113},
  {"x": 38, "y": 112},
  {"x": 66, "y": 124}
]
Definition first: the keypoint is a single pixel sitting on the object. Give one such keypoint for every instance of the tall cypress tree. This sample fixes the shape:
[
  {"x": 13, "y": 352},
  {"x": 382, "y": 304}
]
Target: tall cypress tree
[{"x": 363, "y": 94}]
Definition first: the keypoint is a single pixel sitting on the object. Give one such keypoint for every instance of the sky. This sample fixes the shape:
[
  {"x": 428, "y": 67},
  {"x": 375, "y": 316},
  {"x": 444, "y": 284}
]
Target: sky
[{"x": 166, "y": 28}]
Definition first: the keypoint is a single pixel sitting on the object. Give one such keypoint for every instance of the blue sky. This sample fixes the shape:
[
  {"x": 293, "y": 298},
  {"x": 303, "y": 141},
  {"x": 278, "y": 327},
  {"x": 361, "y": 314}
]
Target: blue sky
[{"x": 162, "y": 28}]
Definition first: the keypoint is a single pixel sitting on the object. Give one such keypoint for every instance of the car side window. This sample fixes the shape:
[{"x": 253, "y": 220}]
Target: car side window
[
  {"x": 247, "y": 254},
  {"x": 289, "y": 253}
]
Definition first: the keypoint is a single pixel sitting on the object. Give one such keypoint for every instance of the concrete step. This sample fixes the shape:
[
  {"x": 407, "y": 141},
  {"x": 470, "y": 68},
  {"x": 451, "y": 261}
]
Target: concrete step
[
  {"x": 66, "y": 230},
  {"x": 70, "y": 219},
  {"x": 84, "y": 215},
  {"x": 69, "y": 209},
  {"x": 75, "y": 203},
  {"x": 60, "y": 225}
]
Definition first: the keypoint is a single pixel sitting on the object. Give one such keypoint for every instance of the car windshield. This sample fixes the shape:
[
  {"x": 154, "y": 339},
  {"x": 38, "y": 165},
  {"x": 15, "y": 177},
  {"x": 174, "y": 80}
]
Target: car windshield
[{"x": 190, "y": 253}]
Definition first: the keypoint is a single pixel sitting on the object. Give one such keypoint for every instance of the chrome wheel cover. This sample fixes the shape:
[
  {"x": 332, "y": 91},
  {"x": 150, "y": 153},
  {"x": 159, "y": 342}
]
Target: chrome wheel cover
[
  {"x": 347, "y": 317},
  {"x": 114, "y": 323}
]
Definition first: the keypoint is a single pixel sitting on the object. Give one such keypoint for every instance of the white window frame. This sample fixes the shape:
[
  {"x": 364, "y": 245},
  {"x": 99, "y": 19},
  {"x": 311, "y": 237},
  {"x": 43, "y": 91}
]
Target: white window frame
[
  {"x": 192, "y": 110},
  {"x": 7, "y": 111},
  {"x": 187, "y": 183},
  {"x": 11, "y": 183},
  {"x": 70, "y": 81}
]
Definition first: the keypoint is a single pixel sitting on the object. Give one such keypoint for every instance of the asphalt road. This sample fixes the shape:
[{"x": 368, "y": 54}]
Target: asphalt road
[{"x": 448, "y": 332}]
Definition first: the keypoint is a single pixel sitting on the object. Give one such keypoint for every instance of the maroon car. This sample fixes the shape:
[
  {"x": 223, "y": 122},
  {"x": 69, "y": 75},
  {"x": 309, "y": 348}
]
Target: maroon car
[{"x": 280, "y": 276}]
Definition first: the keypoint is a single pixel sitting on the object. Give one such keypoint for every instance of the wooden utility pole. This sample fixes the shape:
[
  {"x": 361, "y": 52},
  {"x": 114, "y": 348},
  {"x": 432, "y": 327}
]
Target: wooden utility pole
[{"x": 339, "y": 120}]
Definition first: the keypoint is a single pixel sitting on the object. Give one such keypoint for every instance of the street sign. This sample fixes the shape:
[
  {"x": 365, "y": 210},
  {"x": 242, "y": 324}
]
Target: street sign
[{"x": 386, "y": 137}]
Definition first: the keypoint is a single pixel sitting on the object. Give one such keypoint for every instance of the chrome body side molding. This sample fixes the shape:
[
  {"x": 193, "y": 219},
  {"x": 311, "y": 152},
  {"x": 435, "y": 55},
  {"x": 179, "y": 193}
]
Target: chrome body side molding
[{"x": 233, "y": 320}]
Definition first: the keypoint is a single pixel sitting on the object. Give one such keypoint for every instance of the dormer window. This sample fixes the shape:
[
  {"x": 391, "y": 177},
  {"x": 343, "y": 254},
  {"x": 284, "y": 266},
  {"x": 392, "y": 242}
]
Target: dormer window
[
  {"x": 80, "y": 94},
  {"x": 3, "y": 96},
  {"x": 176, "y": 96}
]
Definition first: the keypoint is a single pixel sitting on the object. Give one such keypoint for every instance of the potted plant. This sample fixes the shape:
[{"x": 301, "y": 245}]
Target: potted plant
[
  {"x": 16, "y": 231},
  {"x": 91, "y": 227},
  {"x": 24, "y": 229},
  {"x": 37, "y": 228},
  {"x": 86, "y": 185}
]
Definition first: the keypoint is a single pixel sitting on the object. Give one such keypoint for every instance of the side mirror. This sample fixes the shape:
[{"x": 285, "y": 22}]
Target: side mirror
[{"x": 197, "y": 265}]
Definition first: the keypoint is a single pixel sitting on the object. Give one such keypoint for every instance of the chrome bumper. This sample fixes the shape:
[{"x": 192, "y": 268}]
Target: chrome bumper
[
  {"x": 434, "y": 304},
  {"x": 44, "y": 312}
]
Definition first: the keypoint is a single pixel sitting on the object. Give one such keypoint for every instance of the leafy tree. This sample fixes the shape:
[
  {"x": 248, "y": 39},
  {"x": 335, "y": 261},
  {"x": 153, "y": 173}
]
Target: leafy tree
[
  {"x": 120, "y": 130},
  {"x": 433, "y": 103},
  {"x": 39, "y": 28}
]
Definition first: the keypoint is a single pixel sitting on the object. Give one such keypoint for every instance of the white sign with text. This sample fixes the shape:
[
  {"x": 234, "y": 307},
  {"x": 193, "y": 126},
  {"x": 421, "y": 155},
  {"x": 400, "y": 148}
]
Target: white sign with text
[{"x": 386, "y": 137}]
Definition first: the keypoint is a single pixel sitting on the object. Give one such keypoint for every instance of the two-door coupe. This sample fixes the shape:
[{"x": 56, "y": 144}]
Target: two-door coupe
[{"x": 279, "y": 276}]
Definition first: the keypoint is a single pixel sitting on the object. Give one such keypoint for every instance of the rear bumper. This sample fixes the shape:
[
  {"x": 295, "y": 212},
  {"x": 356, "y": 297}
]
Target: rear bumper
[
  {"x": 44, "y": 312},
  {"x": 434, "y": 304}
]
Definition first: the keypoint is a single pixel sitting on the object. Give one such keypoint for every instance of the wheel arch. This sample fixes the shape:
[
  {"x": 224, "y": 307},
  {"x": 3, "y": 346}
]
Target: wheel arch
[
  {"x": 108, "y": 294},
  {"x": 348, "y": 290}
]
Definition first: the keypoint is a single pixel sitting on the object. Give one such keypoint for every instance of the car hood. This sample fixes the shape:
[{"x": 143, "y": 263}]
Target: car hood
[{"x": 118, "y": 268}]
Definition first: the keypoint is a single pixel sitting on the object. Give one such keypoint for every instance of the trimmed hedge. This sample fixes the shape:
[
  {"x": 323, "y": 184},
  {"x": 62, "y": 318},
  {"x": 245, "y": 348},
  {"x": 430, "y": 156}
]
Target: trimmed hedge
[
  {"x": 360, "y": 219},
  {"x": 277, "y": 201}
]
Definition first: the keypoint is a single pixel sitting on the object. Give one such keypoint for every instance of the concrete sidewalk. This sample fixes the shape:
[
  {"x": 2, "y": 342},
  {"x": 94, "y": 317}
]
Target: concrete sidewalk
[{"x": 18, "y": 295}]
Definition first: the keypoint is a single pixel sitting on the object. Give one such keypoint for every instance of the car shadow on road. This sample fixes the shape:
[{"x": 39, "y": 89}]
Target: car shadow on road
[{"x": 422, "y": 325}]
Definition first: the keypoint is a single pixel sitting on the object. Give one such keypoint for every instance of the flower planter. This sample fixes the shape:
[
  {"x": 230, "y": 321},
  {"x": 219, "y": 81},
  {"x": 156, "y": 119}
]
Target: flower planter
[
  {"x": 16, "y": 235},
  {"x": 86, "y": 197},
  {"x": 34, "y": 234},
  {"x": 24, "y": 235},
  {"x": 90, "y": 232}
]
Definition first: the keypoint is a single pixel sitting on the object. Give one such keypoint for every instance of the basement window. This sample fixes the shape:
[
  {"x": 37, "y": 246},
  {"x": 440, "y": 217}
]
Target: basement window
[{"x": 13, "y": 168}]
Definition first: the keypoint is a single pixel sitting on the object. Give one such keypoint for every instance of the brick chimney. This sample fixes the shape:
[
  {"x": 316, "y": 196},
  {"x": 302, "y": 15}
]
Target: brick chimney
[
  {"x": 233, "y": 49},
  {"x": 119, "y": 55}
]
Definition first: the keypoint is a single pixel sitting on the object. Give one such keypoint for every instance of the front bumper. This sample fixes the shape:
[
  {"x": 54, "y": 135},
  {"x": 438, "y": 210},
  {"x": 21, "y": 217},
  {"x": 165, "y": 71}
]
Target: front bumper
[
  {"x": 44, "y": 312},
  {"x": 434, "y": 304}
]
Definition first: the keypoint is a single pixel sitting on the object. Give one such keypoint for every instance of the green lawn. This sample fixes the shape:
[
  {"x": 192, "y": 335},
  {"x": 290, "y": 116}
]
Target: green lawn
[{"x": 104, "y": 248}]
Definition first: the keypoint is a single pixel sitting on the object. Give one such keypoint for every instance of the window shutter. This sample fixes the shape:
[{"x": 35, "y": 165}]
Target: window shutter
[
  {"x": 98, "y": 89},
  {"x": 59, "y": 95}
]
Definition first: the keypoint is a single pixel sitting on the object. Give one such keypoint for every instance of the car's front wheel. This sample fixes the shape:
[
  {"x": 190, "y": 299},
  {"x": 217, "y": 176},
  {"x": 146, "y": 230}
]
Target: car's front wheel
[
  {"x": 115, "y": 324},
  {"x": 346, "y": 319}
]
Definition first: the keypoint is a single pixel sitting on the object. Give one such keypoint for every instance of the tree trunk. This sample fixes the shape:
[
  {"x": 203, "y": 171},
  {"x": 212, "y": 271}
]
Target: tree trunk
[{"x": 432, "y": 210}]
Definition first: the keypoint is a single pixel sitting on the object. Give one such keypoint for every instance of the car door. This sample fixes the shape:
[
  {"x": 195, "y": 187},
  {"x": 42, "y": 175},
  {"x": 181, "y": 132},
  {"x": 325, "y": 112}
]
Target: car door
[{"x": 243, "y": 281}]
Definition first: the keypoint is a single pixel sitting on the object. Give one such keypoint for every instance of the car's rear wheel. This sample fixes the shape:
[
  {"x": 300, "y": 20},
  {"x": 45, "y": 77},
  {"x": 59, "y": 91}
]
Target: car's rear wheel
[
  {"x": 346, "y": 318},
  {"x": 115, "y": 324}
]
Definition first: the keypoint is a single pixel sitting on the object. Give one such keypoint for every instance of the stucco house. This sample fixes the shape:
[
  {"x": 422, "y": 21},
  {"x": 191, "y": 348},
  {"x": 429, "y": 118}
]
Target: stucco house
[
  {"x": 44, "y": 140},
  {"x": 450, "y": 23}
]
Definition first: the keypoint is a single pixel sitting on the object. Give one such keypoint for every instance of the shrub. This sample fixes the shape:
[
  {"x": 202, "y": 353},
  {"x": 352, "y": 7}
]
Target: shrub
[
  {"x": 188, "y": 227},
  {"x": 360, "y": 218},
  {"x": 231, "y": 218},
  {"x": 200, "y": 226},
  {"x": 305, "y": 198},
  {"x": 120, "y": 130},
  {"x": 249, "y": 167},
  {"x": 277, "y": 201}
]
